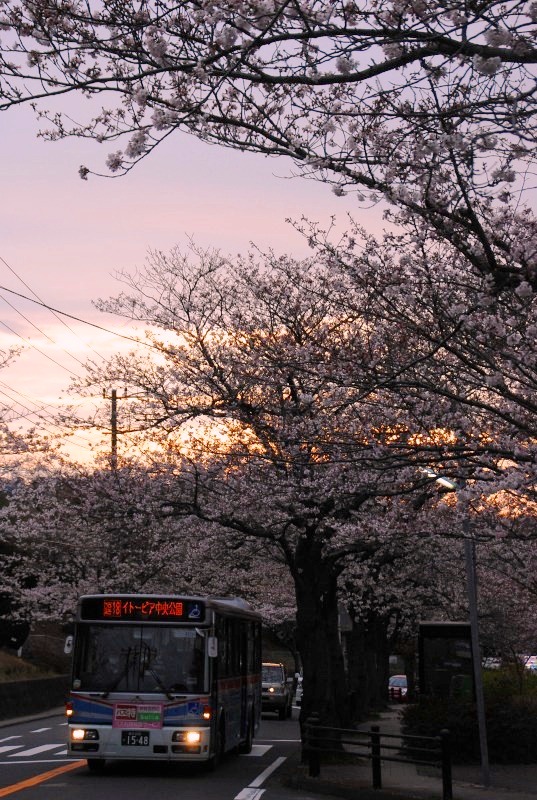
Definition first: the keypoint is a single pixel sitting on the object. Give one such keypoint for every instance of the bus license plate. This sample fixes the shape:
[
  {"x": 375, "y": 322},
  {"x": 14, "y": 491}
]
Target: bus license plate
[{"x": 135, "y": 738}]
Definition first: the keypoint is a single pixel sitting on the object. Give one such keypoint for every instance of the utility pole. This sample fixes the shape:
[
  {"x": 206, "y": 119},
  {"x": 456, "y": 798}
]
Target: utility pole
[{"x": 113, "y": 426}]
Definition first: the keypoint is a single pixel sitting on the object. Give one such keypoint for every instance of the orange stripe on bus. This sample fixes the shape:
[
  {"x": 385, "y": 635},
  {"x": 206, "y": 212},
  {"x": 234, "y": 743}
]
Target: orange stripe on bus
[{"x": 44, "y": 776}]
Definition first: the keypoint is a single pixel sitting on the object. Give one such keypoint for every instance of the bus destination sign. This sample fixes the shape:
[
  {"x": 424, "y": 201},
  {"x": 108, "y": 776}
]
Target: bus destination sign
[{"x": 142, "y": 609}]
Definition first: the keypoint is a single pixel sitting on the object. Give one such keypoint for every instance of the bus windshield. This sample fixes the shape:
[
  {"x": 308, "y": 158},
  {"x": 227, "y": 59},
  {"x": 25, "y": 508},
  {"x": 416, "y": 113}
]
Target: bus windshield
[{"x": 140, "y": 658}]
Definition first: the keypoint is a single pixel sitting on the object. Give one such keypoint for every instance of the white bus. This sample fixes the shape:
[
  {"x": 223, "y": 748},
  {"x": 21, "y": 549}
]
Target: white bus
[{"x": 163, "y": 677}]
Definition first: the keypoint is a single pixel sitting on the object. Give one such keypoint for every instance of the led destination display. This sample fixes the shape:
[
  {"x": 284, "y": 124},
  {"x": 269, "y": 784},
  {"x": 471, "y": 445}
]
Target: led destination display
[{"x": 141, "y": 609}]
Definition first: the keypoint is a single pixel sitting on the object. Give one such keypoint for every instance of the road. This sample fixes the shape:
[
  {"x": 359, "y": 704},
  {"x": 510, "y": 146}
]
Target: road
[{"x": 34, "y": 765}]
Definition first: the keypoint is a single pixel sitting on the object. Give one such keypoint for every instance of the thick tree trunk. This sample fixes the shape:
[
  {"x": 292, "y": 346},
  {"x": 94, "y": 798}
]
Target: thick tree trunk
[
  {"x": 368, "y": 652},
  {"x": 325, "y": 690},
  {"x": 379, "y": 657}
]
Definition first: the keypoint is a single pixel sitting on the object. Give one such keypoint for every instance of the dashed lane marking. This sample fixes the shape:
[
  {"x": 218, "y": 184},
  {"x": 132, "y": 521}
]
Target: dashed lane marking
[{"x": 34, "y": 751}]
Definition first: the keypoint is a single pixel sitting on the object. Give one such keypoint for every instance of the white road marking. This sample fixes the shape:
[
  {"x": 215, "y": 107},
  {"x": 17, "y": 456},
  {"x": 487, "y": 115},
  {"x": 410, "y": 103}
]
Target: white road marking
[
  {"x": 10, "y": 738},
  {"x": 259, "y": 750},
  {"x": 37, "y": 761},
  {"x": 33, "y": 751},
  {"x": 5, "y": 748},
  {"x": 253, "y": 792},
  {"x": 40, "y": 730},
  {"x": 279, "y": 740},
  {"x": 268, "y": 771},
  {"x": 250, "y": 794}
]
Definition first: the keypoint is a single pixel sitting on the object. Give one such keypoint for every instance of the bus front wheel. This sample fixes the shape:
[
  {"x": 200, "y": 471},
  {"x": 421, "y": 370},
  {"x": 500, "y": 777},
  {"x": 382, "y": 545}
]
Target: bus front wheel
[{"x": 216, "y": 757}]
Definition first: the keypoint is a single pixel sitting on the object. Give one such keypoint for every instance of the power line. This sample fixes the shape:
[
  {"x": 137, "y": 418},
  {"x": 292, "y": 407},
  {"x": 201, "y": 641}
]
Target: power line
[
  {"x": 10, "y": 268},
  {"x": 36, "y": 414},
  {"x": 78, "y": 319},
  {"x": 22, "y": 338},
  {"x": 40, "y": 407},
  {"x": 16, "y": 310}
]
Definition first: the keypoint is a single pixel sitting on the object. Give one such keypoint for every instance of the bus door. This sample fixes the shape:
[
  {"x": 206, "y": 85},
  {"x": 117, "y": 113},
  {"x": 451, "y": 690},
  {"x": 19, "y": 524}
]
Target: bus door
[{"x": 243, "y": 669}]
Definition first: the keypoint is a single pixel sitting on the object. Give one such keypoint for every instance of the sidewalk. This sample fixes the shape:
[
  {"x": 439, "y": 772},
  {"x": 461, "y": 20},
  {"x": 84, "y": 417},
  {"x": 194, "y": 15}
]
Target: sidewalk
[{"x": 409, "y": 782}]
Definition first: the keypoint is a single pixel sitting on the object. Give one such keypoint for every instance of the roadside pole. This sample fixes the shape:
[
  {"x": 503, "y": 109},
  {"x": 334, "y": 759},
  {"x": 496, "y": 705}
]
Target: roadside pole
[{"x": 469, "y": 551}]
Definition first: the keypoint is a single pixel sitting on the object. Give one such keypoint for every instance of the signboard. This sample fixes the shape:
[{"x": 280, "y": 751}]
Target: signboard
[
  {"x": 445, "y": 659},
  {"x": 137, "y": 715},
  {"x": 126, "y": 608}
]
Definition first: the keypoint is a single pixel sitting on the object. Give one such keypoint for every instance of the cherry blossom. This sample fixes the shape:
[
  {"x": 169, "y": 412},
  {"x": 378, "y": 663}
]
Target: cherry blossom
[{"x": 388, "y": 100}]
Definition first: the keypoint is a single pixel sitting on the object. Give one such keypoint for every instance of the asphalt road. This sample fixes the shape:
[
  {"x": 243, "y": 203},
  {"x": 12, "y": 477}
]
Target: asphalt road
[{"x": 34, "y": 765}]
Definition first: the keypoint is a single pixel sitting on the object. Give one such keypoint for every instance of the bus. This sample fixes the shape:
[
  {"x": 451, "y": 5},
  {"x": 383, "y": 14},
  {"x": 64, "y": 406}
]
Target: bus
[{"x": 163, "y": 677}]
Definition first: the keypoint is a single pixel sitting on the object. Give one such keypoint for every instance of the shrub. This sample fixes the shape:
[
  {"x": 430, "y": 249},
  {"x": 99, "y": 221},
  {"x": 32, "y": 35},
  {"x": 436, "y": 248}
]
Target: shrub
[
  {"x": 511, "y": 727},
  {"x": 431, "y": 715},
  {"x": 13, "y": 668},
  {"x": 509, "y": 682}
]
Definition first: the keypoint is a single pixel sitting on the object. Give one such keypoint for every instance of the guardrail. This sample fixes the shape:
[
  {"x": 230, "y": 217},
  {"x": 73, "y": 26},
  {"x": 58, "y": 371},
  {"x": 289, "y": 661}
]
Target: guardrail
[{"x": 431, "y": 751}]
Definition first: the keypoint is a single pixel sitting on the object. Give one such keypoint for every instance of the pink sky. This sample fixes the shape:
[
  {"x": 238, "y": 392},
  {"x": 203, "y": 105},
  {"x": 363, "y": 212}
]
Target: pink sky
[{"x": 66, "y": 237}]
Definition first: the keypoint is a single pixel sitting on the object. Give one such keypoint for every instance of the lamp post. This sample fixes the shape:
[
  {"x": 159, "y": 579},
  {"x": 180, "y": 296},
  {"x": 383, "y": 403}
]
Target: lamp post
[
  {"x": 471, "y": 591},
  {"x": 471, "y": 583}
]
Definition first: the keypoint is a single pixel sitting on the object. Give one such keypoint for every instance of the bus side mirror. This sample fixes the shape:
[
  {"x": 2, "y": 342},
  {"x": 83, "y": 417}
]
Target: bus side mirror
[
  {"x": 212, "y": 646},
  {"x": 68, "y": 645}
]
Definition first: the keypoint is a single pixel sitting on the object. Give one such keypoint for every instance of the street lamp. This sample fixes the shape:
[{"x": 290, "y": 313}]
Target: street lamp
[{"x": 471, "y": 589}]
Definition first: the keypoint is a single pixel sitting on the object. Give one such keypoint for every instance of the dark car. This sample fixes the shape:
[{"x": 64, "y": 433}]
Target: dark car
[{"x": 276, "y": 692}]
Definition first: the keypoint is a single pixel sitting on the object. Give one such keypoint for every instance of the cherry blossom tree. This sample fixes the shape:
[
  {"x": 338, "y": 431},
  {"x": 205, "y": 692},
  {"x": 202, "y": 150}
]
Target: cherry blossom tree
[
  {"x": 71, "y": 531},
  {"x": 307, "y": 449},
  {"x": 474, "y": 346},
  {"x": 409, "y": 578},
  {"x": 75, "y": 532},
  {"x": 13, "y": 441},
  {"x": 471, "y": 346},
  {"x": 426, "y": 103}
]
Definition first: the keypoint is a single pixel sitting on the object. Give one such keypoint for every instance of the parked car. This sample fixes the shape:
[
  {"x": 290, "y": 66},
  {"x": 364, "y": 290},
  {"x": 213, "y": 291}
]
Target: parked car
[
  {"x": 491, "y": 663},
  {"x": 397, "y": 688},
  {"x": 299, "y": 690},
  {"x": 276, "y": 689}
]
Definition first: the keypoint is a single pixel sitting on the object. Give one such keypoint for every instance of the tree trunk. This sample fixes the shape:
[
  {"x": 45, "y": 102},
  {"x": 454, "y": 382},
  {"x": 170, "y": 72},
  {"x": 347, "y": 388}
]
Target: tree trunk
[
  {"x": 318, "y": 641},
  {"x": 379, "y": 660},
  {"x": 358, "y": 674},
  {"x": 368, "y": 651}
]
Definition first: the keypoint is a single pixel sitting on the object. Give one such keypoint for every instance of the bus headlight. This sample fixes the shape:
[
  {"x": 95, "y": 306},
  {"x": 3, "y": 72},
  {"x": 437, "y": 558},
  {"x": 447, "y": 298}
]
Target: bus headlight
[
  {"x": 87, "y": 734},
  {"x": 188, "y": 737},
  {"x": 187, "y": 742}
]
